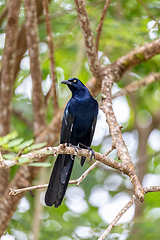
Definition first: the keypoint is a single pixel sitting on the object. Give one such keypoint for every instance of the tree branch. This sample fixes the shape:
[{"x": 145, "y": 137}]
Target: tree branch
[
  {"x": 21, "y": 44},
  {"x": 147, "y": 10},
  {"x": 7, "y": 68},
  {"x": 125, "y": 208},
  {"x": 88, "y": 38},
  {"x": 116, "y": 219},
  {"x": 14, "y": 192},
  {"x": 63, "y": 149},
  {"x": 36, "y": 74},
  {"x": 115, "y": 131},
  {"x": 51, "y": 53},
  {"x": 6, "y": 78},
  {"x": 3, "y": 14},
  {"x": 133, "y": 58},
  {"x": 99, "y": 29},
  {"x": 152, "y": 77},
  {"x": 107, "y": 76},
  {"x": 76, "y": 181}
]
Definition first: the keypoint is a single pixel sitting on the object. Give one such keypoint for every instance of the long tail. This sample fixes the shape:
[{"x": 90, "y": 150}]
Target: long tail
[{"x": 59, "y": 180}]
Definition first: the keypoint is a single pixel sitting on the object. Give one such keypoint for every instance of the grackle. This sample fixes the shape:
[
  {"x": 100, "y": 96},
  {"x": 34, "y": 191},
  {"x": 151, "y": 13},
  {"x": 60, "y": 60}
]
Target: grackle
[{"x": 78, "y": 125}]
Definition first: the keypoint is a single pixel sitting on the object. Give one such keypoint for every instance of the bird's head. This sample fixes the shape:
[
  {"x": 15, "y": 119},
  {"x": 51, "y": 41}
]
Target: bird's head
[{"x": 74, "y": 84}]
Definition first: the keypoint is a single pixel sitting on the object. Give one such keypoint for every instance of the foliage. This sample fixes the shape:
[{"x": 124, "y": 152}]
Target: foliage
[{"x": 14, "y": 147}]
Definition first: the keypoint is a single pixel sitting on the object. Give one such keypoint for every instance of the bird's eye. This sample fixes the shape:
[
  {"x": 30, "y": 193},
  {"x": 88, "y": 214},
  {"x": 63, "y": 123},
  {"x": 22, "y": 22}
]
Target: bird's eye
[{"x": 74, "y": 81}]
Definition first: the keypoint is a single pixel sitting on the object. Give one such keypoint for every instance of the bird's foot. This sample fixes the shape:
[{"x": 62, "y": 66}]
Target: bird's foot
[
  {"x": 92, "y": 154},
  {"x": 75, "y": 147},
  {"x": 89, "y": 149}
]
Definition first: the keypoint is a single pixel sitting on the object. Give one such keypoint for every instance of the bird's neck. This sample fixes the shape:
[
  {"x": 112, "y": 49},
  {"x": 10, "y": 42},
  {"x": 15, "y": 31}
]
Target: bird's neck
[{"x": 81, "y": 93}]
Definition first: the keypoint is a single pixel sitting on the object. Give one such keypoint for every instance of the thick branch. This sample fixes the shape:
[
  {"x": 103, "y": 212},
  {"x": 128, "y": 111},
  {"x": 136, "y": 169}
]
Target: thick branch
[
  {"x": 108, "y": 78},
  {"x": 21, "y": 44},
  {"x": 115, "y": 131},
  {"x": 36, "y": 74},
  {"x": 88, "y": 38},
  {"x": 51, "y": 53},
  {"x": 8, "y": 63},
  {"x": 63, "y": 149},
  {"x": 24, "y": 175},
  {"x": 6, "y": 81}
]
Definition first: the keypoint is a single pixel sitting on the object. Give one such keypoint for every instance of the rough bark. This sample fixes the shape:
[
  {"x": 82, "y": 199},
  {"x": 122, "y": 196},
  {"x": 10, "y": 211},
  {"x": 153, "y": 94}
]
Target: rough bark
[
  {"x": 31, "y": 26},
  {"x": 6, "y": 75}
]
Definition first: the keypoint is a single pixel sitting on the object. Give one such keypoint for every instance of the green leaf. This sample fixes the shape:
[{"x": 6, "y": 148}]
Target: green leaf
[
  {"x": 9, "y": 156},
  {"x": 23, "y": 160},
  {"x": 8, "y": 137},
  {"x": 40, "y": 164},
  {"x": 25, "y": 144},
  {"x": 38, "y": 145},
  {"x": 15, "y": 142}
]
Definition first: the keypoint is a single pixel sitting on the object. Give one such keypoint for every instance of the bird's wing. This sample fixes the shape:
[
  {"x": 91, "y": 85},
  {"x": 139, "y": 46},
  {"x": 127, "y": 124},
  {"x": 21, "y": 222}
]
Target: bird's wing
[
  {"x": 93, "y": 125},
  {"x": 67, "y": 126},
  {"x": 88, "y": 140}
]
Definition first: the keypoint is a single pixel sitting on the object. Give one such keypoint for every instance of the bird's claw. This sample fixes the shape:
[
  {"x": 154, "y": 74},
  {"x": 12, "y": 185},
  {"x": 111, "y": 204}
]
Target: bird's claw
[
  {"x": 92, "y": 154},
  {"x": 89, "y": 150},
  {"x": 75, "y": 147}
]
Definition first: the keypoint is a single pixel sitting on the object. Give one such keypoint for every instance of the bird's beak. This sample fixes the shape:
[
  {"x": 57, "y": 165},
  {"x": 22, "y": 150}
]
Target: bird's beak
[{"x": 67, "y": 82}]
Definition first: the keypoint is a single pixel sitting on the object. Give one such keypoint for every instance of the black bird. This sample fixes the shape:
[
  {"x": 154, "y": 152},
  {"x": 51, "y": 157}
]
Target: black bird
[{"x": 78, "y": 125}]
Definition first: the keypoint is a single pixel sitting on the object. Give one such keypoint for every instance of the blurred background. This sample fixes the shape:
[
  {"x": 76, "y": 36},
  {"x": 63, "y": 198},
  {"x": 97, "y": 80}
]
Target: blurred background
[{"x": 88, "y": 209}]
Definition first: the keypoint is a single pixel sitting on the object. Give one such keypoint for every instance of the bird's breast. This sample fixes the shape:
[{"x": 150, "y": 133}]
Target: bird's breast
[{"x": 83, "y": 112}]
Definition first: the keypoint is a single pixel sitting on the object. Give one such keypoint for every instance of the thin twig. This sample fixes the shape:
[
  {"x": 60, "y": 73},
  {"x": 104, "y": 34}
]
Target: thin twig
[
  {"x": 99, "y": 29},
  {"x": 146, "y": 158},
  {"x": 48, "y": 96},
  {"x": 152, "y": 189},
  {"x": 116, "y": 219},
  {"x": 138, "y": 55},
  {"x": 125, "y": 208},
  {"x": 18, "y": 191},
  {"x": 51, "y": 53},
  {"x": 147, "y": 10},
  {"x": 76, "y": 181},
  {"x": 84, "y": 175},
  {"x": 109, "y": 150},
  {"x": 152, "y": 77},
  {"x": 3, "y": 14}
]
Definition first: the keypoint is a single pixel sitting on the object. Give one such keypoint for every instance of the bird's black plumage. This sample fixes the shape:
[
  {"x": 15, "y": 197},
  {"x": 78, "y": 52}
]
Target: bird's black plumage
[{"x": 78, "y": 125}]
